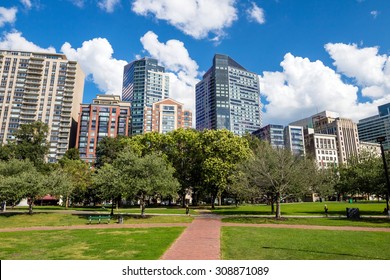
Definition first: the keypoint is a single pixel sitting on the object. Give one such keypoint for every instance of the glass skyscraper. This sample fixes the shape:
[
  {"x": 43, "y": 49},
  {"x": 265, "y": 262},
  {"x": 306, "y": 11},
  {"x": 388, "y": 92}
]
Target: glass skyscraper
[
  {"x": 144, "y": 83},
  {"x": 376, "y": 126},
  {"x": 228, "y": 97}
]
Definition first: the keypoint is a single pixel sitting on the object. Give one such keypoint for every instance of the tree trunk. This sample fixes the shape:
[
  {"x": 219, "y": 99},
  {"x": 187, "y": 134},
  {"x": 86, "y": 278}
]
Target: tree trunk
[
  {"x": 278, "y": 215},
  {"x": 30, "y": 208},
  {"x": 183, "y": 200},
  {"x": 272, "y": 207},
  {"x": 212, "y": 202},
  {"x": 219, "y": 200},
  {"x": 112, "y": 207},
  {"x": 142, "y": 205},
  {"x": 67, "y": 202}
]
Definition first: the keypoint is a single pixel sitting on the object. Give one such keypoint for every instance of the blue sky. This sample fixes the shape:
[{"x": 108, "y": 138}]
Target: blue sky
[{"x": 310, "y": 55}]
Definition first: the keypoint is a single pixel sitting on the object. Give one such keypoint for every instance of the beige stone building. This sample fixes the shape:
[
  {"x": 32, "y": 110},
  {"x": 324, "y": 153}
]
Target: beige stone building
[
  {"x": 346, "y": 133},
  {"x": 43, "y": 87},
  {"x": 166, "y": 115},
  {"x": 322, "y": 147}
]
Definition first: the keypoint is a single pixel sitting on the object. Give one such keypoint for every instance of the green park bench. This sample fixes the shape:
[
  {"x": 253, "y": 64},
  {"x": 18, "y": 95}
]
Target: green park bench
[{"x": 99, "y": 218}]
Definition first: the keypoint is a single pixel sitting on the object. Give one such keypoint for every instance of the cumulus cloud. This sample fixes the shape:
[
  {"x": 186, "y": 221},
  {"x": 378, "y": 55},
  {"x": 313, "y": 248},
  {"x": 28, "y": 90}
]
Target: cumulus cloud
[
  {"x": 255, "y": 13},
  {"x": 306, "y": 87},
  {"x": 26, "y": 3},
  {"x": 95, "y": 58},
  {"x": 196, "y": 18},
  {"x": 370, "y": 70},
  {"x": 7, "y": 15},
  {"x": 15, "y": 41},
  {"x": 108, "y": 5},
  {"x": 175, "y": 58}
]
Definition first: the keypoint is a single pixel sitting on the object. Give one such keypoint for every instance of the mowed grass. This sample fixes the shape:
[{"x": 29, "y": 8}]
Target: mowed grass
[
  {"x": 305, "y": 209},
  {"x": 240, "y": 243},
  {"x": 92, "y": 244},
  {"x": 106, "y": 210},
  {"x": 13, "y": 220},
  {"x": 363, "y": 222}
]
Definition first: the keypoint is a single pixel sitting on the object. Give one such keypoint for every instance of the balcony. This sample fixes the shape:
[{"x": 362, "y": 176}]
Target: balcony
[{"x": 29, "y": 100}]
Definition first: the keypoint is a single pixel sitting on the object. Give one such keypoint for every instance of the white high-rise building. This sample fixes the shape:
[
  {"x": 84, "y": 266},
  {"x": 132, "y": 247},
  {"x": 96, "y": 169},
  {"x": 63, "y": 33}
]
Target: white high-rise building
[{"x": 44, "y": 87}]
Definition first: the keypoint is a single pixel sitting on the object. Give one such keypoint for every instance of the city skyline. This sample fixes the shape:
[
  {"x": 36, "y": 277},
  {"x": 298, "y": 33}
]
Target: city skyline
[{"x": 310, "y": 56}]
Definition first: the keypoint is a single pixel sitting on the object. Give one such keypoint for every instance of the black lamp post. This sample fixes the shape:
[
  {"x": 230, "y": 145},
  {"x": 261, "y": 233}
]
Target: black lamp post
[{"x": 380, "y": 140}]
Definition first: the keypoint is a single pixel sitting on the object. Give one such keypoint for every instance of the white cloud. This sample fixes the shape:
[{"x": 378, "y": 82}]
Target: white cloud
[
  {"x": 370, "y": 69},
  {"x": 304, "y": 88},
  {"x": 256, "y": 14},
  {"x": 78, "y": 3},
  {"x": 7, "y": 15},
  {"x": 175, "y": 58},
  {"x": 26, "y": 3},
  {"x": 108, "y": 5},
  {"x": 15, "y": 41},
  {"x": 374, "y": 14},
  {"x": 196, "y": 18},
  {"x": 95, "y": 58}
]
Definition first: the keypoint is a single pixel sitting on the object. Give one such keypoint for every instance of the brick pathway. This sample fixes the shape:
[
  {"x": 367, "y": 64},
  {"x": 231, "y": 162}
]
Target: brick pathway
[{"x": 200, "y": 241}]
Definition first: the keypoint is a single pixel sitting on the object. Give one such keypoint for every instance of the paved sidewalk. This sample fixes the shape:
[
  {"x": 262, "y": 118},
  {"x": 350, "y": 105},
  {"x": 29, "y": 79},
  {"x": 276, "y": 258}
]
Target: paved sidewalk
[{"x": 200, "y": 241}]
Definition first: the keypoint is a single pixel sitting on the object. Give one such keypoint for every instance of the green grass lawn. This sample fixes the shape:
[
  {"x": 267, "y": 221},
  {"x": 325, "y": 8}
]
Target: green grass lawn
[
  {"x": 240, "y": 243},
  {"x": 133, "y": 210},
  {"x": 363, "y": 222},
  {"x": 304, "y": 209},
  {"x": 12, "y": 220},
  {"x": 102, "y": 244}
]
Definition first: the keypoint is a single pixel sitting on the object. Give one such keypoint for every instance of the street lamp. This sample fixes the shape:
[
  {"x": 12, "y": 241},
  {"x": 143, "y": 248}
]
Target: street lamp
[{"x": 380, "y": 140}]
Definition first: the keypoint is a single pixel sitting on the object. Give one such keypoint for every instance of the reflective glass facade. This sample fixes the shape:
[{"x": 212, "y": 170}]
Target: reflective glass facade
[
  {"x": 144, "y": 83},
  {"x": 228, "y": 97}
]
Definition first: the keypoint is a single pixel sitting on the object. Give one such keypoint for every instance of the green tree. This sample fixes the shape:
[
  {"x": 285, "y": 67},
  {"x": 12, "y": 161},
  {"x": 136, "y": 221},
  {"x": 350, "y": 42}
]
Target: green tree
[
  {"x": 72, "y": 153},
  {"x": 279, "y": 174},
  {"x": 221, "y": 151},
  {"x": 20, "y": 179},
  {"x": 144, "y": 177},
  {"x": 31, "y": 142},
  {"x": 107, "y": 180},
  {"x": 69, "y": 177},
  {"x": 182, "y": 149},
  {"x": 108, "y": 150}
]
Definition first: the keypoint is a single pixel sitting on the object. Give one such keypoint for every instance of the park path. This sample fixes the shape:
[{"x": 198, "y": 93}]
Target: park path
[
  {"x": 95, "y": 226},
  {"x": 199, "y": 241}
]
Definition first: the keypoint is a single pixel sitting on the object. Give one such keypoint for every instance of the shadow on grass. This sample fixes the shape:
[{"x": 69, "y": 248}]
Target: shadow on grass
[{"x": 321, "y": 252}]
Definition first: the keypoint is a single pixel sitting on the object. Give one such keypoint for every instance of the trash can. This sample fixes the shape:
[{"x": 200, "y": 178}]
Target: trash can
[{"x": 120, "y": 219}]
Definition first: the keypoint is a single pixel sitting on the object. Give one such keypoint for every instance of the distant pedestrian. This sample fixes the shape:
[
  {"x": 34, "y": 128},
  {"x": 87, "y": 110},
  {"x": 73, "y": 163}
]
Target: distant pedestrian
[{"x": 326, "y": 209}]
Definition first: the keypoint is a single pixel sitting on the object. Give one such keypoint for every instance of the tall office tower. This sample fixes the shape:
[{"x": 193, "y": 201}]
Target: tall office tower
[
  {"x": 228, "y": 97},
  {"x": 43, "y": 87},
  {"x": 294, "y": 139},
  {"x": 376, "y": 126},
  {"x": 323, "y": 147},
  {"x": 347, "y": 135},
  {"x": 167, "y": 115},
  {"x": 144, "y": 82},
  {"x": 107, "y": 116},
  {"x": 272, "y": 133}
]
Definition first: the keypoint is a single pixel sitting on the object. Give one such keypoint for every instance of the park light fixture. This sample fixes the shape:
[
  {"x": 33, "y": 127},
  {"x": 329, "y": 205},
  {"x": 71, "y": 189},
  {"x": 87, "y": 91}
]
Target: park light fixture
[{"x": 380, "y": 140}]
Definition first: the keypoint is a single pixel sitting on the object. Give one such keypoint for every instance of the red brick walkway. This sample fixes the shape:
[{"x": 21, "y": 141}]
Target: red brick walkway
[{"x": 200, "y": 241}]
